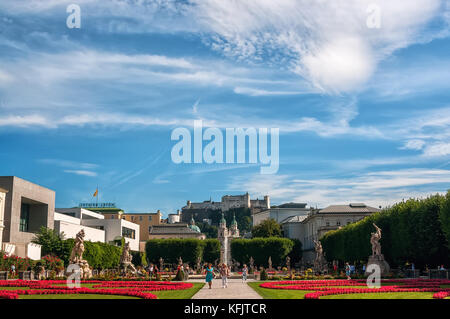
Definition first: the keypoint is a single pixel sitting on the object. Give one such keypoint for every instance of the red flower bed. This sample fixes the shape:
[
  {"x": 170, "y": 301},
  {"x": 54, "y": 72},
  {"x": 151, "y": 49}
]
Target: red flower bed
[
  {"x": 333, "y": 287},
  {"x": 123, "y": 288}
]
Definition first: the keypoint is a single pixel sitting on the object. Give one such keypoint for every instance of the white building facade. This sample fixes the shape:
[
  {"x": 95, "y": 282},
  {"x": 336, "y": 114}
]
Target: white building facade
[{"x": 96, "y": 227}]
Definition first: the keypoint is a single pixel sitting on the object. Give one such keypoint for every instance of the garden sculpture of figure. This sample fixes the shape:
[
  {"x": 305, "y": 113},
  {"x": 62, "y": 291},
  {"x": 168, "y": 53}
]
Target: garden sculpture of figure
[
  {"x": 125, "y": 259},
  {"x": 288, "y": 262},
  {"x": 270, "y": 263},
  {"x": 78, "y": 249},
  {"x": 180, "y": 261},
  {"x": 76, "y": 256},
  {"x": 375, "y": 241}
]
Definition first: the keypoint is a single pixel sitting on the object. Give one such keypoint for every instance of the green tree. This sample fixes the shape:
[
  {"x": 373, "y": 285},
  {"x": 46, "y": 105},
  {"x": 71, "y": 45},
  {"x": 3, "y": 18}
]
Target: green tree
[
  {"x": 444, "y": 217},
  {"x": 267, "y": 228},
  {"x": 51, "y": 241}
]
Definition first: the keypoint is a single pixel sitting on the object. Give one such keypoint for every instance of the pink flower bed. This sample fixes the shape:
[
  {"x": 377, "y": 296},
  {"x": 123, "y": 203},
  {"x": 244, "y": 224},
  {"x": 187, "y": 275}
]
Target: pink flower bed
[
  {"x": 123, "y": 288},
  {"x": 340, "y": 287}
]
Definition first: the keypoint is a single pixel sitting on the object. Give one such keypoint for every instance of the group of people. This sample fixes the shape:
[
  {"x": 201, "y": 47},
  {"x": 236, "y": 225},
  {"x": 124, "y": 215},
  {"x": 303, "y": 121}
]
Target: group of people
[{"x": 224, "y": 272}]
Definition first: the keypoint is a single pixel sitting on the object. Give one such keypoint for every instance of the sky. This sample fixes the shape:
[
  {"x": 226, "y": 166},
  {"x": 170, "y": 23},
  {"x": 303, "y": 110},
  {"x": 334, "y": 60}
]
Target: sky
[{"x": 363, "y": 112}]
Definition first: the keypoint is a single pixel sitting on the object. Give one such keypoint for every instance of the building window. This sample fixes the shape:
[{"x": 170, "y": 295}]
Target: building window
[
  {"x": 149, "y": 229},
  {"x": 132, "y": 218},
  {"x": 328, "y": 224},
  {"x": 24, "y": 217},
  {"x": 128, "y": 232},
  {"x": 338, "y": 223},
  {"x": 140, "y": 218},
  {"x": 150, "y": 218}
]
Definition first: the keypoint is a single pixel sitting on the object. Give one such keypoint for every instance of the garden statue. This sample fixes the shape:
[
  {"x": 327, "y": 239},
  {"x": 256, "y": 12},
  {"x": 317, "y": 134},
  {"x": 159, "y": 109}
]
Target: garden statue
[
  {"x": 375, "y": 241},
  {"x": 76, "y": 256},
  {"x": 199, "y": 260},
  {"x": 252, "y": 266},
  {"x": 161, "y": 263},
  {"x": 320, "y": 263},
  {"x": 288, "y": 263},
  {"x": 270, "y": 263},
  {"x": 78, "y": 248},
  {"x": 377, "y": 258},
  {"x": 180, "y": 261},
  {"x": 125, "y": 259}
]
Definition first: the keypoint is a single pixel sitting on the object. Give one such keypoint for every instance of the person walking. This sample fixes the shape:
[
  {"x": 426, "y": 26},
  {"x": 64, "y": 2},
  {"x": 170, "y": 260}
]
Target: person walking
[
  {"x": 224, "y": 273},
  {"x": 244, "y": 273},
  {"x": 209, "y": 275}
]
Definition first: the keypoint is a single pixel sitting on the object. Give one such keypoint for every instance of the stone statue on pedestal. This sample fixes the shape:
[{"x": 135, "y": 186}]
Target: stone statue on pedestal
[
  {"x": 377, "y": 257},
  {"x": 270, "y": 262},
  {"x": 288, "y": 263},
  {"x": 180, "y": 261},
  {"x": 252, "y": 266},
  {"x": 161, "y": 264},
  {"x": 320, "y": 263},
  {"x": 76, "y": 256},
  {"x": 125, "y": 259}
]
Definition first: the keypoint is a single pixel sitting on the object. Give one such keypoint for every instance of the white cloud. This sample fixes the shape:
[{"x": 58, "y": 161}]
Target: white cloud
[
  {"x": 326, "y": 42},
  {"x": 416, "y": 145},
  {"x": 374, "y": 188},
  {"x": 81, "y": 172},
  {"x": 437, "y": 150}
]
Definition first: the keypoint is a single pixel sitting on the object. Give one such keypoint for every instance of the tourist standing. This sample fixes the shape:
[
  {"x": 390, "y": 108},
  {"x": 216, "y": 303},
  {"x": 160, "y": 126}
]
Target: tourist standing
[
  {"x": 348, "y": 270},
  {"x": 244, "y": 273},
  {"x": 13, "y": 270},
  {"x": 155, "y": 272},
  {"x": 209, "y": 275},
  {"x": 224, "y": 273},
  {"x": 150, "y": 271}
]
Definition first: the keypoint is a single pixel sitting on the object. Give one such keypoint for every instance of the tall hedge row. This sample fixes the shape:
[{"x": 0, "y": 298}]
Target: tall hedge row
[
  {"x": 261, "y": 249},
  {"x": 188, "y": 249},
  {"x": 416, "y": 230},
  {"x": 98, "y": 255}
]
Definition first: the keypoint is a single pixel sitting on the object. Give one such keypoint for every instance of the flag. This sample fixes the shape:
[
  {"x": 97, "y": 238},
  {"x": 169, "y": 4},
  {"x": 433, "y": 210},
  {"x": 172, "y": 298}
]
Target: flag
[{"x": 96, "y": 193}]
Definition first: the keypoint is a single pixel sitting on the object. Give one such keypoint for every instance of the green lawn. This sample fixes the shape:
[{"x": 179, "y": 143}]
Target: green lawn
[
  {"x": 393, "y": 295},
  {"x": 277, "y": 293},
  {"x": 300, "y": 294},
  {"x": 167, "y": 294}
]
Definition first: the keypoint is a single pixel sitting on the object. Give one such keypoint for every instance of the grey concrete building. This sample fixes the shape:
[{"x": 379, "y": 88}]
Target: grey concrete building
[{"x": 27, "y": 207}]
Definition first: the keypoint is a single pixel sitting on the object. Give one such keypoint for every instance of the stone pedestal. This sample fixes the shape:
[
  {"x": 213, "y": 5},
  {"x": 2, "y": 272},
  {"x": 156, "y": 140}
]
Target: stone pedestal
[
  {"x": 85, "y": 270},
  {"x": 378, "y": 260}
]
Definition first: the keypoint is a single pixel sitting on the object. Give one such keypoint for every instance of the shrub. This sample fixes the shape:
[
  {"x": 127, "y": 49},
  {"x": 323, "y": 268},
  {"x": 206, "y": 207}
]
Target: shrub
[
  {"x": 171, "y": 249},
  {"x": 263, "y": 275},
  {"x": 261, "y": 249},
  {"x": 179, "y": 276}
]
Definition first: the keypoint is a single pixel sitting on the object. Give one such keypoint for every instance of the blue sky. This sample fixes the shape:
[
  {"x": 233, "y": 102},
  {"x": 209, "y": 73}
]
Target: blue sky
[{"x": 364, "y": 114}]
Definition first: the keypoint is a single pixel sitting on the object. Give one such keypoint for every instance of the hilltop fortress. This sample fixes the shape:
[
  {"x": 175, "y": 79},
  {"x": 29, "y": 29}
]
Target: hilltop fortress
[{"x": 202, "y": 210}]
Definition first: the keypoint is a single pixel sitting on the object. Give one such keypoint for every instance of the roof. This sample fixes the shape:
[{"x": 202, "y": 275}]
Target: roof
[
  {"x": 292, "y": 205},
  {"x": 172, "y": 229},
  {"x": 146, "y": 214},
  {"x": 351, "y": 208},
  {"x": 294, "y": 219}
]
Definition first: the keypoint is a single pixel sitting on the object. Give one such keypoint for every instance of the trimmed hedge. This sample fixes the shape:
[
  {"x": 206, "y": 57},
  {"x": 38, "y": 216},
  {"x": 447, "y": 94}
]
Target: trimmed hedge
[
  {"x": 261, "y": 249},
  {"x": 413, "y": 231},
  {"x": 188, "y": 249},
  {"x": 211, "y": 251}
]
